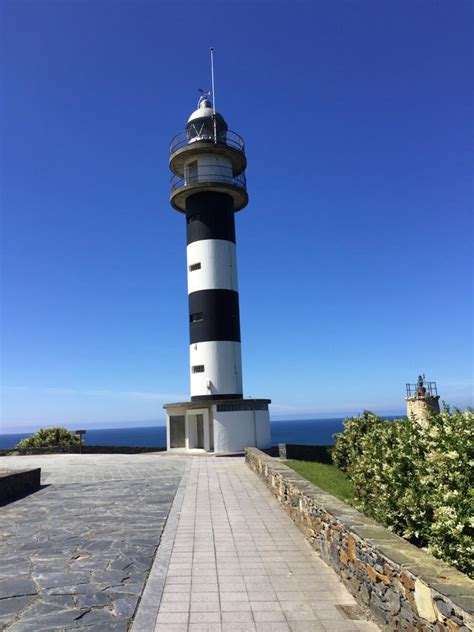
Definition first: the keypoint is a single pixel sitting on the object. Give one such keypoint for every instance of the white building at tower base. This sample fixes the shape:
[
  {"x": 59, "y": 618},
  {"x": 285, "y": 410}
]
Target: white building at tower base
[{"x": 218, "y": 426}]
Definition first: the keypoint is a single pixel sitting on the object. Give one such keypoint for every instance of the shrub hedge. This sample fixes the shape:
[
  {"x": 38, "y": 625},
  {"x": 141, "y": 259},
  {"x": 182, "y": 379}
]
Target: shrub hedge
[
  {"x": 49, "y": 437},
  {"x": 415, "y": 479}
]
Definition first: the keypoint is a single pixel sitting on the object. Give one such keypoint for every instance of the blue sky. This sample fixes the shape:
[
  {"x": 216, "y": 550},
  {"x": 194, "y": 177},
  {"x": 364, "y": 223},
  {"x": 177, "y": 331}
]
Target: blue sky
[{"x": 354, "y": 253}]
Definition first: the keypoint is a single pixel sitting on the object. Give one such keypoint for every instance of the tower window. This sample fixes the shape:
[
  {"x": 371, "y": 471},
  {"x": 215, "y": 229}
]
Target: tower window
[
  {"x": 195, "y": 318},
  {"x": 192, "y": 171},
  {"x": 194, "y": 266},
  {"x": 193, "y": 218},
  {"x": 198, "y": 368}
]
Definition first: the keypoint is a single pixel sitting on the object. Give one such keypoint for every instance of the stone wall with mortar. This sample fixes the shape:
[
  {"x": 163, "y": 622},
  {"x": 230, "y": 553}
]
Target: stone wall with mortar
[
  {"x": 419, "y": 407},
  {"x": 405, "y": 587}
]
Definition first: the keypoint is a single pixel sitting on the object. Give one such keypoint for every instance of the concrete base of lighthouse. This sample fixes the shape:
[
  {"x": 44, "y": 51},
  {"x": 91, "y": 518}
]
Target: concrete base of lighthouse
[{"x": 218, "y": 426}]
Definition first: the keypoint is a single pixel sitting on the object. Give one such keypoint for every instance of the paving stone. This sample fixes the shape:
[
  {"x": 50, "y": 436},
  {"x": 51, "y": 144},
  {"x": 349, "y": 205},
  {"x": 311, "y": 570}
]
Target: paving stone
[
  {"x": 234, "y": 617},
  {"x": 205, "y": 617},
  {"x": 125, "y": 607},
  {"x": 122, "y": 564},
  {"x": 53, "y": 580},
  {"x": 89, "y": 536},
  {"x": 96, "y": 616},
  {"x": 16, "y": 588},
  {"x": 268, "y": 616},
  {"x": 14, "y": 604},
  {"x": 41, "y": 608},
  {"x": 15, "y": 568},
  {"x": 112, "y": 626},
  {"x": 71, "y": 590},
  {"x": 234, "y": 596},
  {"x": 6, "y": 619},
  {"x": 172, "y": 617},
  {"x": 310, "y": 626},
  {"x": 266, "y": 569},
  {"x": 57, "y": 620},
  {"x": 111, "y": 578},
  {"x": 132, "y": 589},
  {"x": 273, "y": 627},
  {"x": 92, "y": 599},
  {"x": 258, "y": 606},
  {"x": 65, "y": 601}
]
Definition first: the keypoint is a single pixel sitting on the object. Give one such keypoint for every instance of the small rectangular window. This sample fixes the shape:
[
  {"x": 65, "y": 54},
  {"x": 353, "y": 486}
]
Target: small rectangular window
[
  {"x": 198, "y": 368},
  {"x": 192, "y": 171},
  {"x": 194, "y": 266},
  {"x": 195, "y": 318}
]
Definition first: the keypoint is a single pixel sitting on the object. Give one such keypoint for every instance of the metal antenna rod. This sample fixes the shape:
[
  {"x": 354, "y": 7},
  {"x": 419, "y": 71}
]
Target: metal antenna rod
[
  {"x": 212, "y": 81},
  {"x": 213, "y": 94}
]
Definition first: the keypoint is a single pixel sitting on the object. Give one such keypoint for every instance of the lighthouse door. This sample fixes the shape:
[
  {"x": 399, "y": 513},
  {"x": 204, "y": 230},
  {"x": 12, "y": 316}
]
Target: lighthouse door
[
  {"x": 200, "y": 431},
  {"x": 177, "y": 431}
]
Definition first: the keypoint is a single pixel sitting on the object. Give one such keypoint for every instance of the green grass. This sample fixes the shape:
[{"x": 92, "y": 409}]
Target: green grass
[{"x": 327, "y": 477}]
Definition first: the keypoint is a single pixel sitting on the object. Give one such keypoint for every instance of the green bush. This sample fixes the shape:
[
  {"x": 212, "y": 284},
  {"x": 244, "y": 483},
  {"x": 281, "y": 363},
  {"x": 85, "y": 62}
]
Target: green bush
[
  {"x": 349, "y": 444},
  {"x": 49, "y": 437},
  {"x": 415, "y": 479}
]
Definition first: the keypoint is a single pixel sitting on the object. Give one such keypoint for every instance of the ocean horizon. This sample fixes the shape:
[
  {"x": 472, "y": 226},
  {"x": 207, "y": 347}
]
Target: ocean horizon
[{"x": 304, "y": 432}]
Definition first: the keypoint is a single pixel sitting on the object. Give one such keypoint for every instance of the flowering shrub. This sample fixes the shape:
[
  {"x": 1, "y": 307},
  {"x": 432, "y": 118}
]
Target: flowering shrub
[
  {"x": 415, "y": 479},
  {"x": 349, "y": 444}
]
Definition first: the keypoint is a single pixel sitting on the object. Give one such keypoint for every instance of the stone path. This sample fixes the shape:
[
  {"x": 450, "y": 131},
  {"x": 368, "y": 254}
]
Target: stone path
[
  {"x": 233, "y": 561},
  {"x": 76, "y": 554}
]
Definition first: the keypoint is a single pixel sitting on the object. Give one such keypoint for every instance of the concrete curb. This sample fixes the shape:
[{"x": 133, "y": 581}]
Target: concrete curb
[
  {"x": 17, "y": 483},
  {"x": 149, "y": 604}
]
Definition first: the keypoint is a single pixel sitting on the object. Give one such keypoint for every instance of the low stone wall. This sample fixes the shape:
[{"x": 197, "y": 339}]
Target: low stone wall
[
  {"x": 17, "y": 483},
  {"x": 405, "y": 587},
  {"x": 76, "y": 449}
]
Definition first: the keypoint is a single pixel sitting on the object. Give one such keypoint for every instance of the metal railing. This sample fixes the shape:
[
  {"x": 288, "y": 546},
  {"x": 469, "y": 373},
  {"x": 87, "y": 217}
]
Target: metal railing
[
  {"x": 229, "y": 139},
  {"x": 215, "y": 177},
  {"x": 420, "y": 390}
]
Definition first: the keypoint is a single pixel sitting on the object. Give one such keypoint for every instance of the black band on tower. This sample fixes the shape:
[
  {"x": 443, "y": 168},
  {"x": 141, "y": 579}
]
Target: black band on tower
[
  {"x": 210, "y": 215},
  {"x": 214, "y": 315}
]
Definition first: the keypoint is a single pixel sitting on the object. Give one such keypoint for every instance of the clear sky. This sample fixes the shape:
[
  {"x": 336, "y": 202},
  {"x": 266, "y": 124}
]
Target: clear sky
[{"x": 354, "y": 253}]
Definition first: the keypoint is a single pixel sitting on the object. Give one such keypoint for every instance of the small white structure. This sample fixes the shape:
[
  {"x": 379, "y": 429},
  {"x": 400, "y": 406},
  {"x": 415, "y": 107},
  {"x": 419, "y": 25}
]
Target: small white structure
[
  {"x": 209, "y": 186},
  {"x": 218, "y": 426}
]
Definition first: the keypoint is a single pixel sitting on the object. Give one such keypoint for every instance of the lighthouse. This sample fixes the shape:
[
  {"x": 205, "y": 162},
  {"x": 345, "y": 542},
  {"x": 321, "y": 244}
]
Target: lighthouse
[{"x": 208, "y": 188}]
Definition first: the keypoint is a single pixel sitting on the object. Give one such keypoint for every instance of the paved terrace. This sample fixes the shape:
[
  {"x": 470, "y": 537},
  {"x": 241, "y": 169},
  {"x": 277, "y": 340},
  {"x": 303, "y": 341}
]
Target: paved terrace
[{"x": 76, "y": 554}]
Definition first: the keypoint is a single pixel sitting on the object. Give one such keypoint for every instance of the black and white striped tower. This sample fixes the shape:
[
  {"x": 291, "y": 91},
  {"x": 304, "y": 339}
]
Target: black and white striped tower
[{"x": 208, "y": 186}]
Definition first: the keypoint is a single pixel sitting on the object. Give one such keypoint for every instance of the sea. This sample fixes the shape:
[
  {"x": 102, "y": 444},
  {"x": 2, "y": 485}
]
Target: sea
[{"x": 304, "y": 432}]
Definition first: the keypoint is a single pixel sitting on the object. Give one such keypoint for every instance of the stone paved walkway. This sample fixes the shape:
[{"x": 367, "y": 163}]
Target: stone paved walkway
[
  {"x": 75, "y": 555},
  {"x": 237, "y": 563}
]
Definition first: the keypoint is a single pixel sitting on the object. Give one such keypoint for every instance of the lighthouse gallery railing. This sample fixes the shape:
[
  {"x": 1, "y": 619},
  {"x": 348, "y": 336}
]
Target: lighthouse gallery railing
[{"x": 230, "y": 139}]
